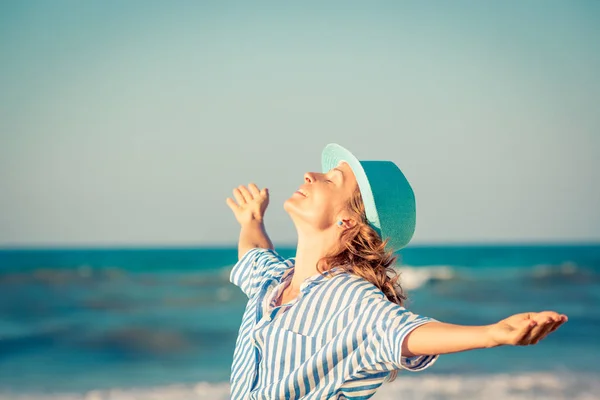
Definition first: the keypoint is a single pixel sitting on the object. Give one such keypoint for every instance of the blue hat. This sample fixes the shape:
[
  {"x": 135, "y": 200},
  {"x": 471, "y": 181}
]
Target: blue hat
[{"x": 388, "y": 198}]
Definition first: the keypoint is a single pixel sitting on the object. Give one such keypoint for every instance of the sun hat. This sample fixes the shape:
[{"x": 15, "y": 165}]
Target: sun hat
[{"x": 388, "y": 198}]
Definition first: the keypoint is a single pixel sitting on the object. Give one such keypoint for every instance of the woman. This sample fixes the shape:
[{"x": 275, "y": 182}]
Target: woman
[{"x": 330, "y": 323}]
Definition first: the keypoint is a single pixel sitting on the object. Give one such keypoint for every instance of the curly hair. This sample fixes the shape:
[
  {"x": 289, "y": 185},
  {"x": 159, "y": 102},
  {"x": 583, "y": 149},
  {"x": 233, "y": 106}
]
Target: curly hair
[{"x": 362, "y": 252}]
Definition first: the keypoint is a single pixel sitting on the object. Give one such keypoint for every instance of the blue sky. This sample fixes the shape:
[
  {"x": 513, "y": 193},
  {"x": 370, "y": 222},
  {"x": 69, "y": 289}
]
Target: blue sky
[{"x": 128, "y": 123}]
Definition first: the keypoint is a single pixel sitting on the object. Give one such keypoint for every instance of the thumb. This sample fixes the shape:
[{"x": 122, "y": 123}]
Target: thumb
[{"x": 232, "y": 204}]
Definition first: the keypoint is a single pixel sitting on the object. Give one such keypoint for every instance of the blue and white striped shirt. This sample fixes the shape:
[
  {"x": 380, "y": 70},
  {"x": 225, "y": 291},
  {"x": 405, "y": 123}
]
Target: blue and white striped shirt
[{"x": 339, "y": 338}]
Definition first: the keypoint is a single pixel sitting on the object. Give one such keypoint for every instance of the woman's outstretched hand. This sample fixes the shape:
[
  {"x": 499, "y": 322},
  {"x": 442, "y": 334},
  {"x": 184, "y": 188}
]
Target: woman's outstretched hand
[
  {"x": 251, "y": 203},
  {"x": 525, "y": 329}
]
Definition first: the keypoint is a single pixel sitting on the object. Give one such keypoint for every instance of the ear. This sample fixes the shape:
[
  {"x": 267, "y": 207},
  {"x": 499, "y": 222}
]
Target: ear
[{"x": 347, "y": 222}]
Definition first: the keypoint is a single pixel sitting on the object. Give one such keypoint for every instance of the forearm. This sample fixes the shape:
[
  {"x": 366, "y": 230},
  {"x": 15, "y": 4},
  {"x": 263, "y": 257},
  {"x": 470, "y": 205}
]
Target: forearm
[
  {"x": 441, "y": 338},
  {"x": 253, "y": 234}
]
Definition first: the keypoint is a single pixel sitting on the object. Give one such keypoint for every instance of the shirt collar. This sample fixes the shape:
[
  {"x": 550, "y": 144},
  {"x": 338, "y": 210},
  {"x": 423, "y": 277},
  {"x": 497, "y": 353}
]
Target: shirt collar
[{"x": 311, "y": 280}]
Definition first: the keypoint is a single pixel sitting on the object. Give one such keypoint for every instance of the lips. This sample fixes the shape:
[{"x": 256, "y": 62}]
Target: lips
[{"x": 302, "y": 193}]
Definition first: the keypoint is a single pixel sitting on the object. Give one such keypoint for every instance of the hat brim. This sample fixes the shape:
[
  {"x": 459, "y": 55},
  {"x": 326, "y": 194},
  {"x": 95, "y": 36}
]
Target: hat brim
[{"x": 331, "y": 157}]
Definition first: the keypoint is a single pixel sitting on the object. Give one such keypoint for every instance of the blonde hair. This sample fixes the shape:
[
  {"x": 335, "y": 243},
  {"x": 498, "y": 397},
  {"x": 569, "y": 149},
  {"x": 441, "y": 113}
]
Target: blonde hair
[{"x": 362, "y": 252}]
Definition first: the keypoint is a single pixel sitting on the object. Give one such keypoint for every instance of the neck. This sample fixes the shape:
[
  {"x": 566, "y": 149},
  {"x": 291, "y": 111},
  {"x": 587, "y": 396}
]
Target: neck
[{"x": 311, "y": 248}]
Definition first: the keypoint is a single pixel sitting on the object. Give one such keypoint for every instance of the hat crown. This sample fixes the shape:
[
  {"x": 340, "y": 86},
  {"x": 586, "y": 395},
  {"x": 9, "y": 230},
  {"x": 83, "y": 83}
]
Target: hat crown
[
  {"x": 388, "y": 198},
  {"x": 394, "y": 202}
]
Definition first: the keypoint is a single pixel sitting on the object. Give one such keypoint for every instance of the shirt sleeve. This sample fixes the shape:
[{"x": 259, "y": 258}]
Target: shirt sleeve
[
  {"x": 394, "y": 329},
  {"x": 254, "y": 267}
]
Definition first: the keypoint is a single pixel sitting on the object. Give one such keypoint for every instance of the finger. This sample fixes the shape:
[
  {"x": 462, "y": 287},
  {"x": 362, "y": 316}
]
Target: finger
[
  {"x": 254, "y": 190},
  {"x": 246, "y": 193},
  {"x": 232, "y": 204},
  {"x": 239, "y": 197},
  {"x": 265, "y": 193},
  {"x": 552, "y": 327},
  {"x": 553, "y": 318},
  {"x": 548, "y": 314},
  {"x": 564, "y": 318},
  {"x": 543, "y": 324},
  {"x": 556, "y": 317},
  {"x": 557, "y": 320},
  {"x": 541, "y": 317},
  {"x": 556, "y": 326},
  {"x": 534, "y": 332},
  {"x": 525, "y": 328},
  {"x": 546, "y": 327}
]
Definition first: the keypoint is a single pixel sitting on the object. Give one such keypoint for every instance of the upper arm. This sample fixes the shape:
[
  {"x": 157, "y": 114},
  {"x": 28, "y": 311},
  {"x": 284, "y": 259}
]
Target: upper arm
[
  {"x": 253, "y": 267},
  {"x": 393, "y": 331}
]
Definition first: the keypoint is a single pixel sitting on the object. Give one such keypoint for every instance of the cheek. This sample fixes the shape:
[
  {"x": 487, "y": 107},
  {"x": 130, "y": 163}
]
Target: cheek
[{"x": 322, "y": 209}]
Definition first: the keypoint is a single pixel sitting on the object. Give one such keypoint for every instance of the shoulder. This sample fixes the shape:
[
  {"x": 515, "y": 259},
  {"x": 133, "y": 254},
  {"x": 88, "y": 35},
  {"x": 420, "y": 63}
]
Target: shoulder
[
  {"x": 256, "y": 265},
  {"x": 261, "y": 256},
  {"x": 370, "y": 299},
  {"x": 361, "y": 292}
]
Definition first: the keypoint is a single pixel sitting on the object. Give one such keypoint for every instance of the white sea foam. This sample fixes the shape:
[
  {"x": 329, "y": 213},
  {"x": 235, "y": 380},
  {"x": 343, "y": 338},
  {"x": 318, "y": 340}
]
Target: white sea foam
[
  {"x": 562, "y": 270},
  {"x": 410, "y": 278},
  {"x": 548, "y": 386},
  {"x": 415, "y": 277}
]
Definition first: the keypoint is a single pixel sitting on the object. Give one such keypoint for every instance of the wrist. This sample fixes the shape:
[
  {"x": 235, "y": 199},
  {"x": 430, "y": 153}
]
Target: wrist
[
  {"x": 259, "y": 220},
  {"x": 253, "y": 222},
  {"x": 490, "y": 340}
]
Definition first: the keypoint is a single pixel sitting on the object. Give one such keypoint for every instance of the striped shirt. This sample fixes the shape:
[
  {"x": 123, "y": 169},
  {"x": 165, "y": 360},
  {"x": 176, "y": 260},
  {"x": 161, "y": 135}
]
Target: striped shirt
[{"x": 339, "y": 338}]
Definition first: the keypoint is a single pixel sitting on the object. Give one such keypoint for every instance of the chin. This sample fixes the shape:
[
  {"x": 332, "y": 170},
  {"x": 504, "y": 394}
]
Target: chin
[
  {"x": 301, "y": 216},
  {"x": 291, "y": 206}
]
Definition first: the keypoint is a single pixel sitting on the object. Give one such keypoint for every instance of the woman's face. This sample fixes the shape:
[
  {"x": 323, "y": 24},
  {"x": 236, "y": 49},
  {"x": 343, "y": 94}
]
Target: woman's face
[{"x": 323, "y": 197}]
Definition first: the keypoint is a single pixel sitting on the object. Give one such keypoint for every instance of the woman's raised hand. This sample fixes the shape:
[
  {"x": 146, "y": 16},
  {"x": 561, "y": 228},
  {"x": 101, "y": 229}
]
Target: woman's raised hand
[{"x": 250, "y": 203}]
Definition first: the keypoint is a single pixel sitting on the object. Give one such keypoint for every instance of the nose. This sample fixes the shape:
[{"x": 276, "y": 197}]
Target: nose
[{"x": 309, "y": 177}]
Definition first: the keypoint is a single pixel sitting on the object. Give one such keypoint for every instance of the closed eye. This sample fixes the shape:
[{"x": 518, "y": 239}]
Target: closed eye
[{"x": 338, "y": 177}]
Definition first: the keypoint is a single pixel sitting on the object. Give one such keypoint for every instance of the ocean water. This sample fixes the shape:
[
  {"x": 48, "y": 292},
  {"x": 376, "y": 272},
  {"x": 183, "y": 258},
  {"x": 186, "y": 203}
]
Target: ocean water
[{"x": 162, "y": 323}]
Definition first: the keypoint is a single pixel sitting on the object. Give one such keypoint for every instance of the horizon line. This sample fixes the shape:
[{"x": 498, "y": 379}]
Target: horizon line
[{"x": 289, "y": 246}]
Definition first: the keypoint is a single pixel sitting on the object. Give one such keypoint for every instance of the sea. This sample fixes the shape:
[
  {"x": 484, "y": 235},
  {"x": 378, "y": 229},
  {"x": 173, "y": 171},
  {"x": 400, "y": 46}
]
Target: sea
[{"x": 161, "y": 323}]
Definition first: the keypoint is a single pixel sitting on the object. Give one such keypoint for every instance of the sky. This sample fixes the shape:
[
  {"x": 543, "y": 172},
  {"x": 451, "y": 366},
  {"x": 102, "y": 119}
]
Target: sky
[{"x": 129, "y": 123}]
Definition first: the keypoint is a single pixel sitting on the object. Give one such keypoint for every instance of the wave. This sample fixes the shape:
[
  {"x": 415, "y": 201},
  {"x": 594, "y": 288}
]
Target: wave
[
  {"x": 415, "y": 277},
  {"x": 85, "y": 274},
  {"x": 412, "y": 277},
  {"x": 532, "y": 385},
  {"x": 569, "y": 271},
  {"x": 201, "y": 390}
]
